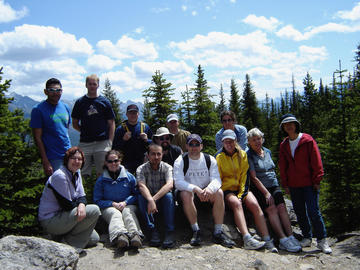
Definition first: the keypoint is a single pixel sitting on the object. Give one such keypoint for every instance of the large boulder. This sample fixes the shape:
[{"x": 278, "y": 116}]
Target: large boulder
[{"x": 22, "y": 252}]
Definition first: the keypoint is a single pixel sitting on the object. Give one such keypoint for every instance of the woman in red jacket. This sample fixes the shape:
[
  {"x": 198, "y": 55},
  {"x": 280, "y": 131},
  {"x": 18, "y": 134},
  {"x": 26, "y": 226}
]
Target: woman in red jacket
[{"x": 301, "y": 171}]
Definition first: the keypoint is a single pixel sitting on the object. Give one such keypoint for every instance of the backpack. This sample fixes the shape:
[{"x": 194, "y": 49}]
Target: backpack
[
  {"x": 186, "y": 162},
  {"x": 142, "y": 127}
]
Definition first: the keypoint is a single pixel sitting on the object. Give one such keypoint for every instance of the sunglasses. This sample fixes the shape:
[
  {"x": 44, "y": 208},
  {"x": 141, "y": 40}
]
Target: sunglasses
[
  {"x": 227, "y": 120},
  {"x": 54, "y": 90},
  {"x": 113, "y": 161},
  {"x": 164, "y": 138},
  {"x": 194, "y": 144}
]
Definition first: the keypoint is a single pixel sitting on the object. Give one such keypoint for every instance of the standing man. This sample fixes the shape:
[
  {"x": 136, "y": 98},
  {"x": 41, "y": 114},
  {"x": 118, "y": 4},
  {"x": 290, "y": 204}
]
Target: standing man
[
  {"x": 50, "y": 122},
  {"x": 94, "y": 117},
  {"x": 196, "y": 175},
  {"x": 180, "y": 135},
  {"x": 132, "y": 138},
  {"x": 155, "y": 181},
  {"x": 170, "y": 152}
]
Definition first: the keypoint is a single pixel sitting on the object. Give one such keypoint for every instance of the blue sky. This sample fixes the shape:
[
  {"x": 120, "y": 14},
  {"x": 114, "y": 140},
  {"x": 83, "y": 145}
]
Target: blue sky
[{"x": 127, "y": 41}]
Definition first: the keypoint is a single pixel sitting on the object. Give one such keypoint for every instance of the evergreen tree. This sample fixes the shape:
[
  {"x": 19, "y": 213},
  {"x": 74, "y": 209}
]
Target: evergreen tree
[
  {"x": 295, "y": 99},
  {"x": 187, "y": 108},
  {"x": 234, "y": 103},
  {"x": 309, "y": 112},
  {"x": 160, "y": 100},
  {"x": 221, "y": 106},
  {"x": 110, "y": 94},
  {"x": 249, "y": 106},
  {"x": 357, "y": 66},
  {"x": 341, "y": 159},
  {"x": 270, "y": 126},
  {"x": 146, "y": 112},
  {"x": 21, "y": 181},
  {"x": 206, "y": 122}
]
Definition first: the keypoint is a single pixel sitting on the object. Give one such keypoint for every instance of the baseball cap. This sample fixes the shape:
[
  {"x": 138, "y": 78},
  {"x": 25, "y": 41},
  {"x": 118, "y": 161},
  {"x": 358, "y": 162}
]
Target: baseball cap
[
  {"x": 132, "y": 107},
  {"x": 171, "y": 117},
  {"x": 228, "y": 134},
  {"x": 192, "y": 137}
]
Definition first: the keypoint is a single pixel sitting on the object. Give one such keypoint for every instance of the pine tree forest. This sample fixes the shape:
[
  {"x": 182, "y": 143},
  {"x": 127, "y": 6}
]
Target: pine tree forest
[{"x": 330, "y": 113}]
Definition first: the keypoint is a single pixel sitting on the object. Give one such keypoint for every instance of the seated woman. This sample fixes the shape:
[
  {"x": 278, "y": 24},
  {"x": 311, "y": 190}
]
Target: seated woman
[
  {"x": 115, "y": 194},
  {"x": 267, "y": 191},
  {"x": 233, "y": 168},
  {"x": 63, "y": 210}
]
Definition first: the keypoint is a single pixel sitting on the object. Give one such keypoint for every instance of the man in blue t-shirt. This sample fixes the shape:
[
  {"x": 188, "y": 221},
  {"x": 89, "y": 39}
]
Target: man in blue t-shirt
[
  {"x": 50, "y": 122},
  {"x": 94, "y": 117},
  {"x": 132, "y": 138}
]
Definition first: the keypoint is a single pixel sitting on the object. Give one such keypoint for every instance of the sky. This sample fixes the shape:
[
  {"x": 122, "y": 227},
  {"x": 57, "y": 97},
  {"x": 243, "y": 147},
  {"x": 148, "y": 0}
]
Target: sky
[{"x": 126, "y": 41}]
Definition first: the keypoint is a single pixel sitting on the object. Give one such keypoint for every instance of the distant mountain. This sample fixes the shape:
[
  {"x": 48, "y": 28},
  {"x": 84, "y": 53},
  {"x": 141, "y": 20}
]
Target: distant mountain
[{"x": 26, "y": 104}]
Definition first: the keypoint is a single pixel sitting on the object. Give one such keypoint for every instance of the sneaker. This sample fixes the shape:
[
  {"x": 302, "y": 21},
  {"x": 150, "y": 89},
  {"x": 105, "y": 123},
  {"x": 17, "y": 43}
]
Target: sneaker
[
  {"x": 196, "y": 238},
  {"x": 135, "y": 241},
  {"x": 122, "y": 241},
  {"x": 269, "y": 245},
  {"x": 155, "y": 239},
  {"x": 306, "y": 242},
  {"x": 222, "y": 239},
  {"x": 324, "y": 246},
  {"x": 252, "y": 243},
  {"x": 288, "y": 245},
  {"x": 169, "y": 241},
  {"x": 294, "y": 240}
]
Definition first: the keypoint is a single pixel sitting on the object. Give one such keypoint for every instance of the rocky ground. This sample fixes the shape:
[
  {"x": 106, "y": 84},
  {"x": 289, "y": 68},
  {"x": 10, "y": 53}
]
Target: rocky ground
[{"x": 346, "y": 253}]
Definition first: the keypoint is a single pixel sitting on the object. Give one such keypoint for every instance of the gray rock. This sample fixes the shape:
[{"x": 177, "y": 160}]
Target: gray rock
[{"x": 22, "y": 252}]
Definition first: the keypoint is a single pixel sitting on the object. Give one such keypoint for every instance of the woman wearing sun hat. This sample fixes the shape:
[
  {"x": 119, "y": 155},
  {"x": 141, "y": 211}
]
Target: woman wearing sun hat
[{"x": 301, "y": 171}]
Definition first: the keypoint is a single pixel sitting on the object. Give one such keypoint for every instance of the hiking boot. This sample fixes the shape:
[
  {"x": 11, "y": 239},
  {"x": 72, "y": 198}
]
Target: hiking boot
[
  {"x": 288, "y": 245},
  {"x": 155, "y": 239},
  {"x": 306, "y": 242},
  {"x": 196, "y": 238},
  {"x": 135, "y": 241},
  {"x": 269, "y": 245},
  {"x": 252, "y": 243},
  {"x": 169, "y": 241},
  {"x": 222, "y": 239},
  {"x": 324, "y": 246},
  {"x": 122, "y": 241}
]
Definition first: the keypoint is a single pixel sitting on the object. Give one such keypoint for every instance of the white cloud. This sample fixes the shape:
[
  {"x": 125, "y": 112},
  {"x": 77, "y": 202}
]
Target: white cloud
[
  {"x": 160, "y": 10},
  {"x": 290, "y": 32},
  {"x": 194, "y": 13},
  {"x": 232, "y": 1},
  {"x": 352, "y": 15},
  {"x": 171, "y": 68},
  {"x": 127, "y": 47},
  {"x": 8, "y": 14},
  {"x": 262, "y": 22},
  {"x": 139, "y": 30},
  {"x": 184, "y": 8},
  {"x": 33, "y": 43},
  {"x": 101, "y": 62}
]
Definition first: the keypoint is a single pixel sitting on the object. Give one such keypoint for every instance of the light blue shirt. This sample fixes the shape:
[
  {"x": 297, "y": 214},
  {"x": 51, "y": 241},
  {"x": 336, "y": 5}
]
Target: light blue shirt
[{"x": 241, "y": 137}]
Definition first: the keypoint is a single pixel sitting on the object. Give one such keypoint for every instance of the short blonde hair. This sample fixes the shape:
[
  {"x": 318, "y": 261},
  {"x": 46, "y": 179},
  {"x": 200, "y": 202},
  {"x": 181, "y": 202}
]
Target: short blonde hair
[{"x": 94, "y": 77}]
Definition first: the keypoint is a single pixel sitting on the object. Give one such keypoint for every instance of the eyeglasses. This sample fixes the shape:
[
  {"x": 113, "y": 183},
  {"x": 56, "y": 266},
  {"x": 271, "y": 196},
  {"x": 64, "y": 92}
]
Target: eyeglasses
[
  {"x": 164, "y": 138},
  {"x": 194, "y": 144},
  {"x": 54, "y": 90},
  {"x": 113, "y": 161},
  {"x": 227, "y": 120},
  {"x": 77, "y": 158}
]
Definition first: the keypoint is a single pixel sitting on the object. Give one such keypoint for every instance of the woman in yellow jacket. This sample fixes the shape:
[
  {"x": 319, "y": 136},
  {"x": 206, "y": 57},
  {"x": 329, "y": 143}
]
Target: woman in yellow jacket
[{"x": 233, "y": 168}]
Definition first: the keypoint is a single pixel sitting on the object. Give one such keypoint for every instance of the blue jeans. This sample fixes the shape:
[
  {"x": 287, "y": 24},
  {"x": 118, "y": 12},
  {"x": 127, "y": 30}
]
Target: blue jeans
[
  {"x": 306, "y": 206},
  {"x": 165, "y": 206}
]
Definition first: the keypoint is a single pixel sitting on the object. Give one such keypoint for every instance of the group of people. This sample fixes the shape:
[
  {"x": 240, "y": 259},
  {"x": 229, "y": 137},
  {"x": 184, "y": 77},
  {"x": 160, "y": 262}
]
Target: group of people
[{"x": 139, "y": 170}]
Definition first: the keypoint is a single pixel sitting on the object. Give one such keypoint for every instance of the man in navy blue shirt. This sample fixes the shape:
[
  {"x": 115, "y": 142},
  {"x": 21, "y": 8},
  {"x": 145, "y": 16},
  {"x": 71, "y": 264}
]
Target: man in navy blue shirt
[
  {"x": 132, "y": 138},
  {"x": 94, "y": 117}
]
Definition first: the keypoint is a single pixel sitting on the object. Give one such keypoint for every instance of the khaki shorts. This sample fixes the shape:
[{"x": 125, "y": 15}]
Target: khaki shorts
[{"x": 94, "y": 153}]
